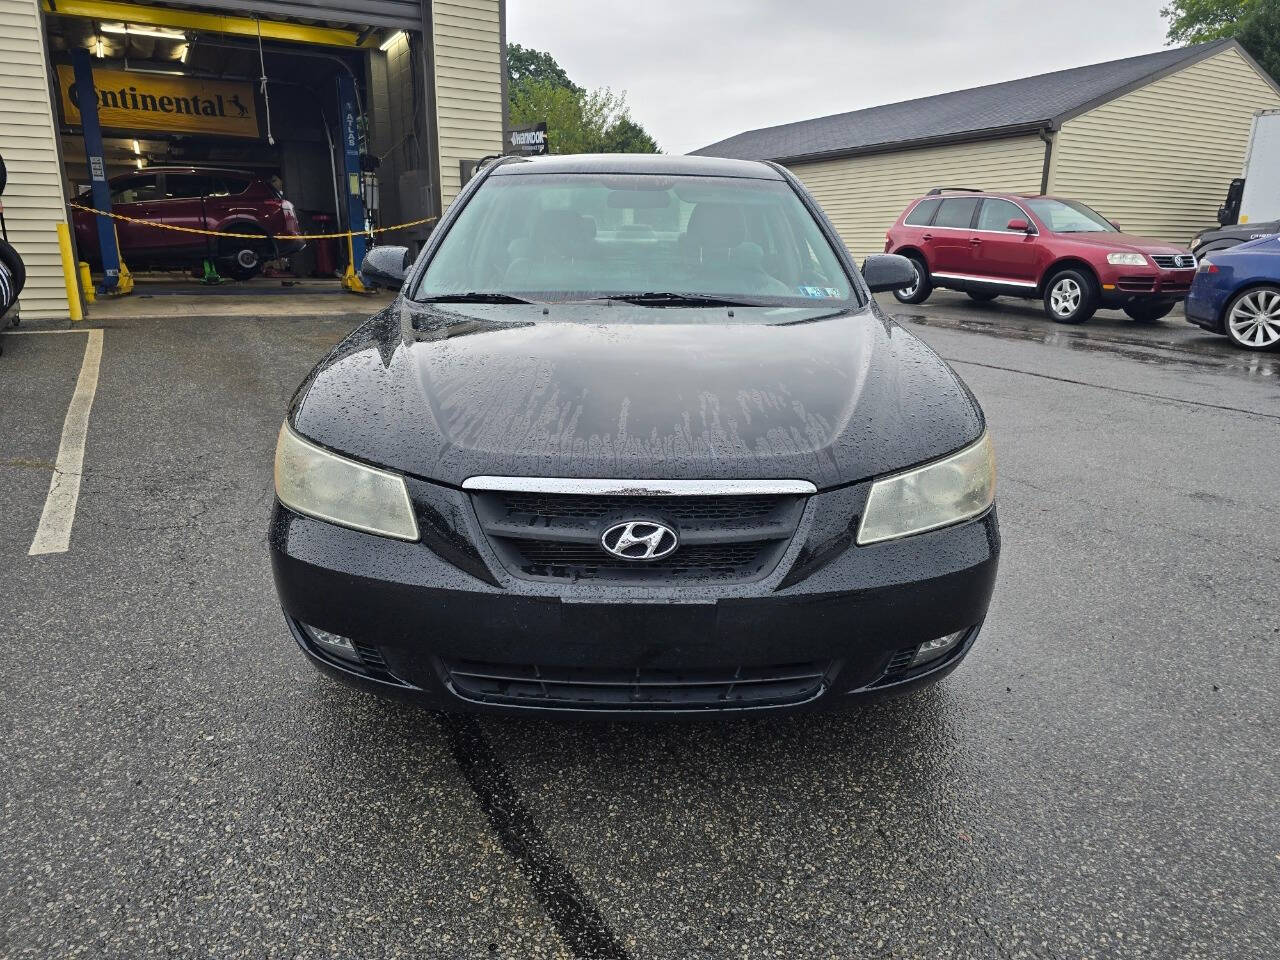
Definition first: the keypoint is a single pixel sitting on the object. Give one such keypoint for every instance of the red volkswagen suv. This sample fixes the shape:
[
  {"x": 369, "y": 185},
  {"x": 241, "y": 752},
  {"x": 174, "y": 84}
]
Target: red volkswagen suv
[
  {"x": 206, "y": 198},
  {"x": 1069, "y": 256}
]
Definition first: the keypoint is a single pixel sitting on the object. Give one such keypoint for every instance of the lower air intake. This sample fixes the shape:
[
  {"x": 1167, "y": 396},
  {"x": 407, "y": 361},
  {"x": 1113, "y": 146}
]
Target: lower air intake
[{"x": 580, "y": 688}]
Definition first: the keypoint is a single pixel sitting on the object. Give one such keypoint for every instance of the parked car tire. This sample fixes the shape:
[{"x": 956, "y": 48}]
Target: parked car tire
[
  {"x": 982, "y": 296},
  {"x": 1070, "y": 296},
  {"x": 1148, "y": 312},
  {"x": 243, "y": 259},
  {"x": 923, "y": 285},
  {"x": 1252, "y": 318}
]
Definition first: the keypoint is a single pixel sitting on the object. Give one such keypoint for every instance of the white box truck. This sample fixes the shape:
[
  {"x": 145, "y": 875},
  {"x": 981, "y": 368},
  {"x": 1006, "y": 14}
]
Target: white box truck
[{"x": 1252, "y": 209}]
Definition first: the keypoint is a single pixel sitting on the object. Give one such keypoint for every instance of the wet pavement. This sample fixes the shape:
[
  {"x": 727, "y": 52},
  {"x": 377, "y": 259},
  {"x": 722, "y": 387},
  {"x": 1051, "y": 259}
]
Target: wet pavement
[{"x": 1098, "y": 779}]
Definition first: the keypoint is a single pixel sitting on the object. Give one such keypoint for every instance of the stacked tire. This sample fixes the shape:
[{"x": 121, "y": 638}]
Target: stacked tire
[{"x": 13, "y": 275}]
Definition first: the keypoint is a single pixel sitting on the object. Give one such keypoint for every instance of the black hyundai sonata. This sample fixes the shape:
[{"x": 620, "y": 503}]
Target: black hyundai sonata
[{"x": 633, "y": 439}]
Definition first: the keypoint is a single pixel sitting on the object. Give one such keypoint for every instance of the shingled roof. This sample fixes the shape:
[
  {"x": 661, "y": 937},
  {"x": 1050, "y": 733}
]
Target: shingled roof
[{"x": 999, "y": 109}]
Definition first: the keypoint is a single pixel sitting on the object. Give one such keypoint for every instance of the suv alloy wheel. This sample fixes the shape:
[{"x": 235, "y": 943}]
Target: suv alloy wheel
[{"x": 1070, "y": 296}]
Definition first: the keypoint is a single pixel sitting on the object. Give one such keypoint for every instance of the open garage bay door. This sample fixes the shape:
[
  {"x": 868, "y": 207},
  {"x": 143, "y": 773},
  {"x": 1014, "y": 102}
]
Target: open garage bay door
[{"x": 397, "y": 14}]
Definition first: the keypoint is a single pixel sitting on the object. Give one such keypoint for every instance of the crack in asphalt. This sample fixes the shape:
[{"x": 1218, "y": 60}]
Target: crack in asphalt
[
  {"x": 1099, "y": 386},
  {"x": 574, "y": 917}
]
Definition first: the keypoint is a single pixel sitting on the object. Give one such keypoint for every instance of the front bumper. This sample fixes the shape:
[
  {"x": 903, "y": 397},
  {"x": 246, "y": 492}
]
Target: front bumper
[
  {"x": 832, "y": 624},
  {"x": 1122, "y": 285}
]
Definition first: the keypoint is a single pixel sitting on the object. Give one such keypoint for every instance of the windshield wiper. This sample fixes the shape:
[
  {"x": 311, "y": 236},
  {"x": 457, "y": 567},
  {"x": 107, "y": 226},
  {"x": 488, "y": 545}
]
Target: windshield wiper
[
  {"x": 474, "y": 297},
  {"x": 668, "y": 299}
]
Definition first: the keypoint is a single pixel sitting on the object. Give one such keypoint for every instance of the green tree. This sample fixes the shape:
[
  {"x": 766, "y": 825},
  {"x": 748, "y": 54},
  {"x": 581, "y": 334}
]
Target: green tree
[
  {"x": 627, "y": 136},
  {"x": 578, "y": 120},
  {"x": 1255, "y": 23},
  {"x": 525, "y": 65}
]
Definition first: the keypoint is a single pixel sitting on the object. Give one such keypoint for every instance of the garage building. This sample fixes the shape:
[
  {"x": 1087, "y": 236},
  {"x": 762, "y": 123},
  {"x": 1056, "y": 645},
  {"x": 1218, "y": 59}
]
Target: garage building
[
  {"x": 426, "y": 77},
  {"x": 1151, "y": 142}
]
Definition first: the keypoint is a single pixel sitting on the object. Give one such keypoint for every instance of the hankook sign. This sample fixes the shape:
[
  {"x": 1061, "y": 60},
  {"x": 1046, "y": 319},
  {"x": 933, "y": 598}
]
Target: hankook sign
[
  {"x": 530, "y": 141},
  {"x": 170, "y": 104}
]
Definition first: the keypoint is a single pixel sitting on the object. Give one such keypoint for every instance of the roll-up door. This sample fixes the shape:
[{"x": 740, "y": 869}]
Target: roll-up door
[{"x": 398, "y": 14}]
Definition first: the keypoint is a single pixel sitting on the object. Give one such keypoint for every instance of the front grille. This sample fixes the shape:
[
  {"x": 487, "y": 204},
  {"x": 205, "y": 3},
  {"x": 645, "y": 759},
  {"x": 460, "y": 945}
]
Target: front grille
[
  {"x": 1182, "y": 261},
  {"x": 718, "y": 559},
  {"x": 582, "y": 688},
  {"x": 544, "y": 536},
  {"x": 697, "y": 511}
]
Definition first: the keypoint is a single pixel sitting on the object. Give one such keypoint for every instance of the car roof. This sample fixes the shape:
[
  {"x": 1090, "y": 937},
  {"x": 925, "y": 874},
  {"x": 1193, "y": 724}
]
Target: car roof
[
  {"x": 158, "y": 169},
  {"x": 961, "y": 192},
  {"x": 657, "y": 164}
]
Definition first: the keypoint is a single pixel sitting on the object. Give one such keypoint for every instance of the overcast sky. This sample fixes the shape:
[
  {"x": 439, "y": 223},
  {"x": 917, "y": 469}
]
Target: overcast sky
[{"x": 697, "y": 71}]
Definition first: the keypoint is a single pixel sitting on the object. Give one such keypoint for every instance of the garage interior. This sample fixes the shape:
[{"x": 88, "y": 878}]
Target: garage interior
[{"x": 297, "y": 144}]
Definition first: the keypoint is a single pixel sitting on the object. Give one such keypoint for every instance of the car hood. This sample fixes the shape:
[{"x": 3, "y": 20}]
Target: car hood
[
  {"x": 1240, "y": 231},
  {"x": 1126, "y": 242},
  {"x": 623, "y": 392}
]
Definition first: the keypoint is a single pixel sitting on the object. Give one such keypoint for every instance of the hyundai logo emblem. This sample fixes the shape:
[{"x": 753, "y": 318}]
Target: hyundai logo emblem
[{"x": 639, "y": 540}]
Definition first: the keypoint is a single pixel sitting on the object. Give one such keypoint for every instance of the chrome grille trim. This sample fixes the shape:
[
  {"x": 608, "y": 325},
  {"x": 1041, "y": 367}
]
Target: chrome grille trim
[
  {"x": 640, "y": 488},
  {"x": 1174, "y": 261}
]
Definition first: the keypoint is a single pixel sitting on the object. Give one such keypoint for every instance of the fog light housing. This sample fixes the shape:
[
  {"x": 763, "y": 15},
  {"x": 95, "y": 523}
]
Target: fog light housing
[
  {"x": 933, "y": 649},
  {"x": 333, "y": 644}
]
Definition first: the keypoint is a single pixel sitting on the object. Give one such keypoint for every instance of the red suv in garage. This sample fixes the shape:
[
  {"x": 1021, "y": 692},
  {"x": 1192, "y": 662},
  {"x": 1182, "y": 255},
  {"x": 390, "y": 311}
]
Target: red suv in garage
[
  {"x": 206, "y": 198},
  {"x": 1060, "y": 251}
]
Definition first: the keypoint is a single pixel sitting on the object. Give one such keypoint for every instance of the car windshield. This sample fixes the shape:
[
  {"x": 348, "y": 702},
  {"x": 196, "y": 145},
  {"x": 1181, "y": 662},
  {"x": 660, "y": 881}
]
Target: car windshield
[
  {"x": 654, "y": 240},
  {"x": 1067, "y": 216}
]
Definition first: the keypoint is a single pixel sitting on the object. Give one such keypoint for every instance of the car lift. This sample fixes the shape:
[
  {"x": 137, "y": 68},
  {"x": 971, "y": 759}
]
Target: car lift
[
  {"x": 351, "y": 169},
  {"x": 116, "y": 276}
]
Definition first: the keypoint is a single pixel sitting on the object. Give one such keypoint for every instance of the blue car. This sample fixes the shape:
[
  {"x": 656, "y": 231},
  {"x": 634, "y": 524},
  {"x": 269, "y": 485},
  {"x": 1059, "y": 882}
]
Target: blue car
[{"x": 1236, "y": 292}]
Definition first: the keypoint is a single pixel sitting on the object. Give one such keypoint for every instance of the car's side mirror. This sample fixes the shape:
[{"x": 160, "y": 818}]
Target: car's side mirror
[
  {"x": 385, "y": 266},
  {"x": 1116, "y": 225},
  {"x": 888, "y": 271},
  {"x": 1018, "y": 225}
]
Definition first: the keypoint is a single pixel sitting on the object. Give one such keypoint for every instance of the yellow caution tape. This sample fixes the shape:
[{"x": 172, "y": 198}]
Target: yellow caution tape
[{"x": 341, "y": 235}]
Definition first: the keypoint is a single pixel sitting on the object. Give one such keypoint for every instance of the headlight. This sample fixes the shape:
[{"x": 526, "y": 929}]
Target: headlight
[
  {"x": 324, "y": 485},
  {"x": 938, "y": 494},
  {"x": 1126, "y": 260}
]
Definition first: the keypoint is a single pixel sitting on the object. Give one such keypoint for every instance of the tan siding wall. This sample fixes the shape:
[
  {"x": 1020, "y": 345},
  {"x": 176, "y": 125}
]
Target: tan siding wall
[
  {"x": 468, "y": 69},
  {"x": 863, "y": 196},
  {"x": 33, "y": 201},
  {"x": 1158, "y": 160}
]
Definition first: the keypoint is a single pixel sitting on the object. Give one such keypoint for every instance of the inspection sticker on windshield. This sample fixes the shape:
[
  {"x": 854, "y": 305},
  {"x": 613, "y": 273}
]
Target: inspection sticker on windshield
[{"x": 818, "y": 293}]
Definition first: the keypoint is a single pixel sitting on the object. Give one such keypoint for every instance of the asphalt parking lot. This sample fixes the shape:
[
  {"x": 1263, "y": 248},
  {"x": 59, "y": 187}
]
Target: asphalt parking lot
[{"x": 1097, "y": 780}]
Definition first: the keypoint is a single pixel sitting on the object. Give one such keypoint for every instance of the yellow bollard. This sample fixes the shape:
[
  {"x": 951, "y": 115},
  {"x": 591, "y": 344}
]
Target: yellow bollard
[
  {"x": 124, "y": 281},
  {"x": 69, "y": 277},
  {"x": 351, "y": 278},
  {"x": 86, "y": 283}
]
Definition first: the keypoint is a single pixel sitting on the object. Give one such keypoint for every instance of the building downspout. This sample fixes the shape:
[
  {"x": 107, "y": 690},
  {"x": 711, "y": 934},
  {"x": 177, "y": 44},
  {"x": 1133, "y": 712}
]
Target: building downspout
[
  {"x": 502, "y": 65},
  {"x": 429, "y": 87},
  {"x": 1046, "y": 135}
]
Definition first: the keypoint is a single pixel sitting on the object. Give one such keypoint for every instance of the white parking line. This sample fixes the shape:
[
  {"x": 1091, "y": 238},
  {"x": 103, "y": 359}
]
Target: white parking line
[{"x": 54, "y": 533}]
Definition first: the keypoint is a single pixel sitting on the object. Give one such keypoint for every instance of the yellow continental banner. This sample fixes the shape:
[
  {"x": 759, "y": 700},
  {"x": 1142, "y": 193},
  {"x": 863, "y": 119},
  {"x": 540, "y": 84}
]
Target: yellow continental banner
[{"x": 140, "y": 101}]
